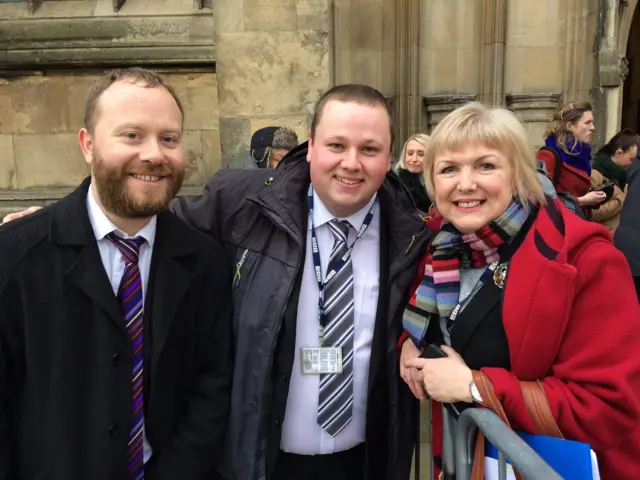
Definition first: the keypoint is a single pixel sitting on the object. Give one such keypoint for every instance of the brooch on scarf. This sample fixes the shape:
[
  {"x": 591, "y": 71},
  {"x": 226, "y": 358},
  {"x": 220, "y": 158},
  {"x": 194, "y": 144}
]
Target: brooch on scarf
[{"x": 500, "y": 275}]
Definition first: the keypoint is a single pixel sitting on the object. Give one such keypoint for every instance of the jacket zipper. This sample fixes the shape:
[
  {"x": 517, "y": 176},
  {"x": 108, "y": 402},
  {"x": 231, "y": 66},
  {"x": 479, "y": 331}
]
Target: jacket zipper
[{"x": 238, "y": 275}]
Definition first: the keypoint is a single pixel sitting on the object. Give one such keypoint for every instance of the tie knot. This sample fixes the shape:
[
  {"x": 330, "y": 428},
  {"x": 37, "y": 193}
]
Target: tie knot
[
  {"x": 340, "y": 229},
  {"x": 129, "y": 247}
]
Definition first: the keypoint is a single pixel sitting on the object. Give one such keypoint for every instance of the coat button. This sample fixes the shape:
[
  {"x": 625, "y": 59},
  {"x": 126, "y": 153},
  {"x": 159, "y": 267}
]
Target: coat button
[
  {"x": 113, "y": 430},
  {"x": 116, "y": 358},
  {"x": 277, "y": 422},
  {"x": 284, "y": 377}
]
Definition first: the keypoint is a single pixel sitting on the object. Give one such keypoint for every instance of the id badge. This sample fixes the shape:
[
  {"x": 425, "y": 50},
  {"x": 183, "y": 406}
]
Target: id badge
[{"x": 321, "y": 360}]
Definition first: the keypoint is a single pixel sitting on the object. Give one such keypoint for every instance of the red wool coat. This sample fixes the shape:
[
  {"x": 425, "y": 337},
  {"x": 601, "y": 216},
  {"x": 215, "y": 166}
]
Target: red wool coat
[{"x": 572, "y": 318}]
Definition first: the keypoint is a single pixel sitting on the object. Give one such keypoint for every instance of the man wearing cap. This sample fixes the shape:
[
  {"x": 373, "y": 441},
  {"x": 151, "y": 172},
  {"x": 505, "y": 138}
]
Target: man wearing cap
[{"x": 270, "y": 144}]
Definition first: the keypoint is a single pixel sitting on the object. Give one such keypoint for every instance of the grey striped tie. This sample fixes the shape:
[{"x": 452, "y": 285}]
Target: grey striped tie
[{"x": 336, "y": 391}]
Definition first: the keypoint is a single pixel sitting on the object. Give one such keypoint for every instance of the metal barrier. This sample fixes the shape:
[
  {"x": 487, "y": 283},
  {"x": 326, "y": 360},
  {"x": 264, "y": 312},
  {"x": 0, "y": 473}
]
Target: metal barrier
[{"x": 462, "y": 435}]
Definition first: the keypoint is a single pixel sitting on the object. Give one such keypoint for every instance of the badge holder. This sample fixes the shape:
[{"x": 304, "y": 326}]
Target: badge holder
[{"x": 321, "y": 360}]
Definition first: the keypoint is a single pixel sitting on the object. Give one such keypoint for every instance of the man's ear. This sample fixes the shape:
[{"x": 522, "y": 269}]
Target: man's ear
[
  {"x": 309, "y": 148},
  {"x": 85, "y": 139}
]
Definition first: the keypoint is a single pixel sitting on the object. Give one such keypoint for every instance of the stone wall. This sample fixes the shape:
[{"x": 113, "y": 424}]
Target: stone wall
[
  {"x": 48, "y": 61},
  {"x": 521, "y": 54},
  {"x": 40, "y": 116},
  {"x": 272, "y": 63}
]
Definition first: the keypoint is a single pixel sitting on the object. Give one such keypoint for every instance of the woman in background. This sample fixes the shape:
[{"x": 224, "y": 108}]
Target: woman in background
[
  {"x": 411, "y": 167},
  {"x": 567, "y": 154},
  {"x": 610, "y": 166}
]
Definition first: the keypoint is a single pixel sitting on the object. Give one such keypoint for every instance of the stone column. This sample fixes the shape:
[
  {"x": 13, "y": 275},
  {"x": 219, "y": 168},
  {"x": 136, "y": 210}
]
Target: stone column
[
  {"x": 612, "y": 65},
  {"x": 493, "y": 34},
  {"x": 450, "y": 51},
  {"x": 272, "y": 65}
]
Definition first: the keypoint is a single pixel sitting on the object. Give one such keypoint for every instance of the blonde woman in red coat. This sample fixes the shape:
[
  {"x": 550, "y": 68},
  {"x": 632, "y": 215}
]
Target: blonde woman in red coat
[{"x": 516, "y": 288}]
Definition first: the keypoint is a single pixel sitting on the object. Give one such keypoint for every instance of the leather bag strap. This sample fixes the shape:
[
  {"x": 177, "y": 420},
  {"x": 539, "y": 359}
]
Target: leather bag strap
[
  {"x": 539, "y": 409},
  {"x": 491, "y": 401}
]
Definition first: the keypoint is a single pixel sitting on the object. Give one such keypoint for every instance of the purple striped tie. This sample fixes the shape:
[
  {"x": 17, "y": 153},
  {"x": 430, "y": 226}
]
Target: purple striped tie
[{"x": 131, "y": 301}]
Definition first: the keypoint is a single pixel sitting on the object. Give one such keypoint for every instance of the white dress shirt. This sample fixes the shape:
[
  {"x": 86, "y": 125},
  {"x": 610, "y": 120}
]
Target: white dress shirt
[
  {"x": 113, "y": 260},
  {"x": 301, "y": 433}
]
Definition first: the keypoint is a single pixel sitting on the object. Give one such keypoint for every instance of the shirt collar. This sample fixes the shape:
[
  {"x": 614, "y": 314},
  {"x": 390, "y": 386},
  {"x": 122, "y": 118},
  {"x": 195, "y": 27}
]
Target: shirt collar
[
  {"x": 102, "y": 226},
  {"x": 321, "y": 215}
]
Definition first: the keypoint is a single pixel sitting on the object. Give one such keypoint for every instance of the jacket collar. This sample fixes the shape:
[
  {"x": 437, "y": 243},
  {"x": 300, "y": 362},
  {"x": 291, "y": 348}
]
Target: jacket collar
[{"x": 70, "y": 224}]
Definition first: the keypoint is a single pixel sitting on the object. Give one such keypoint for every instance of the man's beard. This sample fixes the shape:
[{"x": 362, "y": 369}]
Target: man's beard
[{"x": 111, "y": 187}]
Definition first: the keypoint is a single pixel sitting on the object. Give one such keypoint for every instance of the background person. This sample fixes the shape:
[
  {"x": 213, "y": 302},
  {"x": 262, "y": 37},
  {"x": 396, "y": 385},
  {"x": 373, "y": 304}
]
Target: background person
[
  {"x": 610, "y": 166},
  {"x": 270, "y": 144},
  {"x": 627, "y": 236},
  {"x": 410, "y": 169},
  {"x": 567, "y": 154}
]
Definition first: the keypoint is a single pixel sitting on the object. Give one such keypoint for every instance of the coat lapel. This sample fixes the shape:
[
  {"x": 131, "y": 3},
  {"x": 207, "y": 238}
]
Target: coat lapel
[
  {"x": 170, "y": 279},
  {"x": 477, "y": 310},
  {"x": 70, "y": 227},
  {"x": 88, "y": 274},
  {"x": 533, "y": 312}
]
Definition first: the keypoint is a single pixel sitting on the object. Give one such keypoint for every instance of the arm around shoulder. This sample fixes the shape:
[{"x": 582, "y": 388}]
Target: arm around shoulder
[
  {"x": 201, "y": 211},
  {"x": 594, "y": 382}
]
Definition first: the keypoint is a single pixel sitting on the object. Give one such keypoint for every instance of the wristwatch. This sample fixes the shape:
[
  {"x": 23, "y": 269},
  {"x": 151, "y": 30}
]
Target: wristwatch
[{"x": 475, "y": 393}]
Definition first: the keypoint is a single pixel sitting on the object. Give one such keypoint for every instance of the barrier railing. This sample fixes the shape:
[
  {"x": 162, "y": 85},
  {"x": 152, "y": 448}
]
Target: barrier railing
[{"x": 459, "y": 447}]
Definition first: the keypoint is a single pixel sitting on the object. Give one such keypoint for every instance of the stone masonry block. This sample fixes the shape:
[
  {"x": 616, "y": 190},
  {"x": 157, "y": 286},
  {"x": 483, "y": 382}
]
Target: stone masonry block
[
  {"x": 365, "y": 67},
  {"x": 211, "y": 154},
  {"x": 312, "y": 14},
  {"x": 439, "y": 18},
  {"x": 387, "y": 74},
  {"x": 7, "y": 163},
  {"x": 342, "y": 26},
  {"x": 77, "y": 89},
  {"x": 229, "y": 15},
  {"x": 276, "y": 73},
  {"x": 195, "y": 171},
  {"x": 198, "y": 93},
  {"x": 269, "y": 15},
  {"x": 366, "y": 32},
  {"x": 34, "y": 105},
  {"x": 50, "y": 160},
  {"x": 534, "y": 23},
  {"x": 537, "y": 79},
  {"x": 235, "y": 137}
]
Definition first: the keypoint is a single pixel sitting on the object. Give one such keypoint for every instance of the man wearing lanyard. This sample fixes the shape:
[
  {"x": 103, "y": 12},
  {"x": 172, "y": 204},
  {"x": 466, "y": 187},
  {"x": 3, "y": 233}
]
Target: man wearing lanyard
[{"x": 325, "y": 247}]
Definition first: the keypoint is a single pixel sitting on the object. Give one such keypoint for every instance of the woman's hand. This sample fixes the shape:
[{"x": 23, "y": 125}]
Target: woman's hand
[
  {"x": 411, "y": 375},
  {"x": 446, "y": 380},
  {"x": 592, "y": 199}
]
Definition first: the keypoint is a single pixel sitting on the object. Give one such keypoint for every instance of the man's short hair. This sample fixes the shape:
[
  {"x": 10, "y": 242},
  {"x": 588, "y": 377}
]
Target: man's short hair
[
  {"x": 137, "y": 75},
  {"x": 356, "y": 93}
]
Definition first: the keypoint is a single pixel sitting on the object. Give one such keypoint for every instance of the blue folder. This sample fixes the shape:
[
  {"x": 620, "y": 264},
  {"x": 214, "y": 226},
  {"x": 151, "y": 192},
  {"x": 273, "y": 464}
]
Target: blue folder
[{"x": 571, "y": 460}]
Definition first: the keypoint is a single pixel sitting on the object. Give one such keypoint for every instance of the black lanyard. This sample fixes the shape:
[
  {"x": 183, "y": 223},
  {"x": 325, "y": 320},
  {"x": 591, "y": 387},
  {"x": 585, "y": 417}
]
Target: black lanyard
[
  {"x": 486, "y": 275},
  {"x": 337, "y": 264}
]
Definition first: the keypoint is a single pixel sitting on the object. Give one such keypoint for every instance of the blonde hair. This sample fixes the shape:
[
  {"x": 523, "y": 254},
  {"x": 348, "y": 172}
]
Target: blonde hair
[
  {"x": 572, "y": 112},
  {"x": 494, "y": 128},
  {"x": 421, "y": 138}
]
